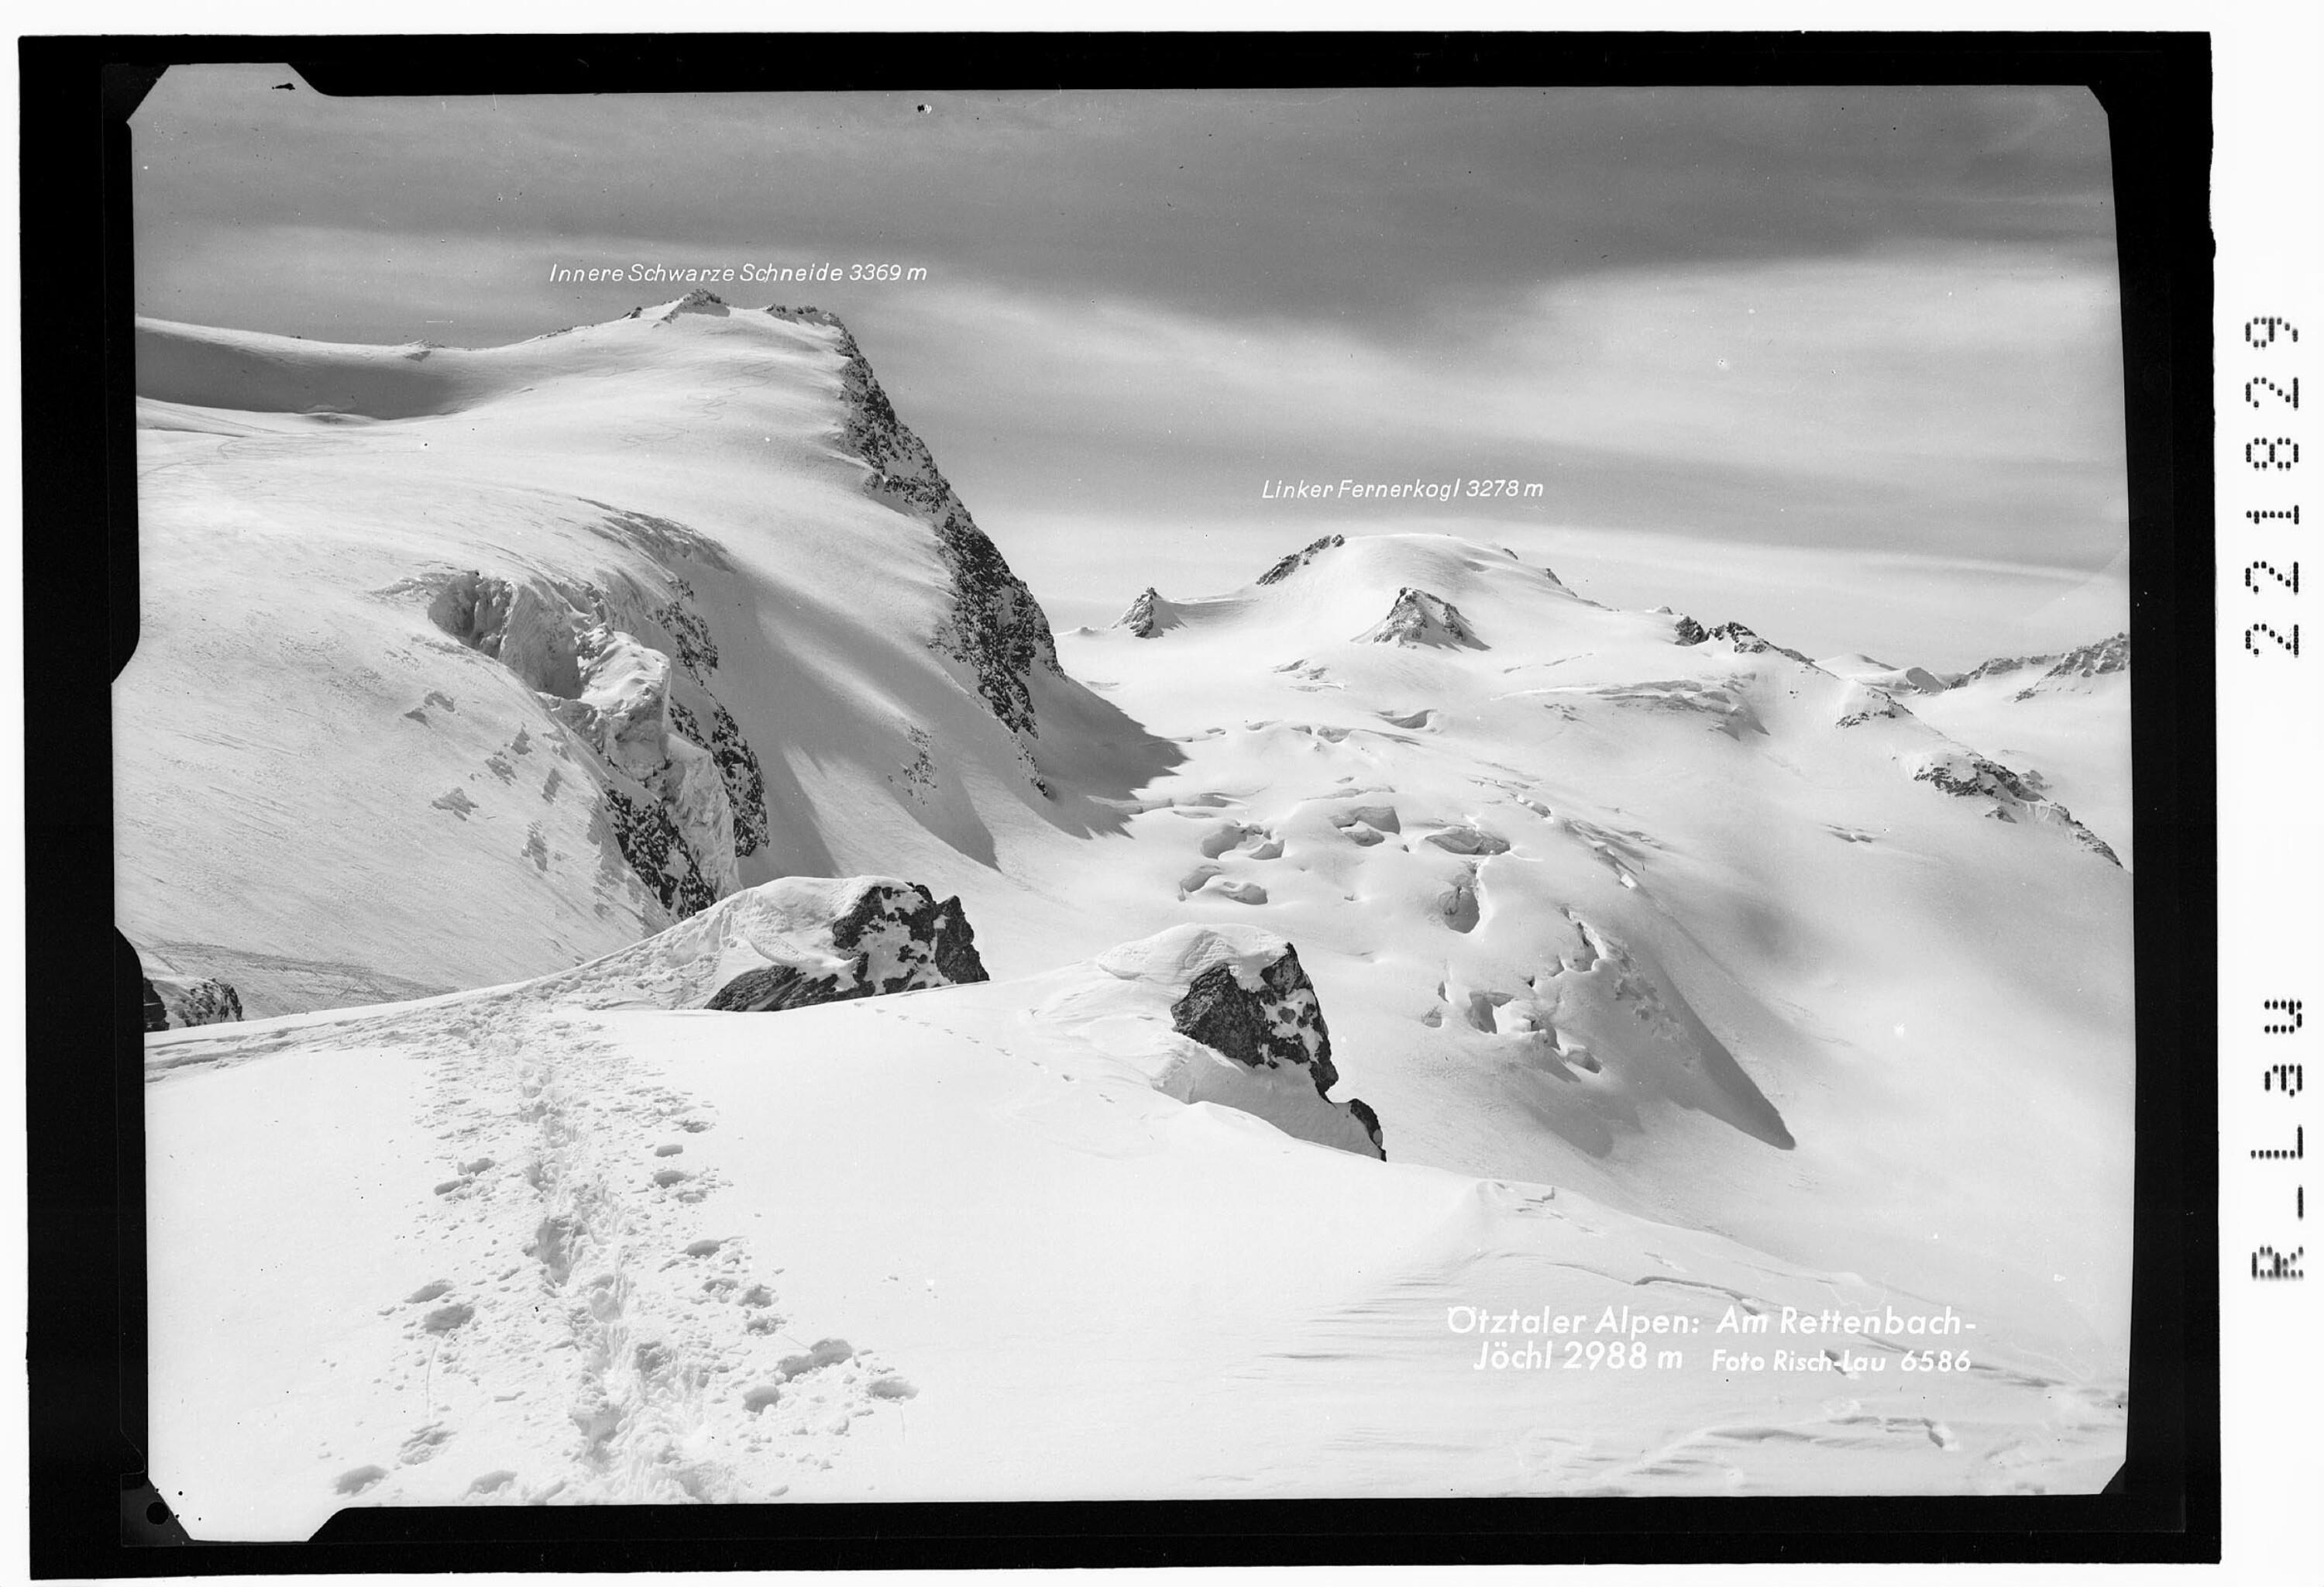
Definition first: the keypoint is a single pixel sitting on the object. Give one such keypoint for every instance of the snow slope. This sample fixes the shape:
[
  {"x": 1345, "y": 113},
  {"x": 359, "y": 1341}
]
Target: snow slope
[
  {"x": 1668, "y": 962},
  {"x": 1693, "y": 928},
  {"x": 564, "y": 1255},
  {"x": 537, "y": 648},
  {"x": 2065, "y": 718}
]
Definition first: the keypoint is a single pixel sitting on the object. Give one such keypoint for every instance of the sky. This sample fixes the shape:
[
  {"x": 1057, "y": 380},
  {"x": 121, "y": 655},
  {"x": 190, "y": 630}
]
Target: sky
[{"x": 1843, "y": 364}]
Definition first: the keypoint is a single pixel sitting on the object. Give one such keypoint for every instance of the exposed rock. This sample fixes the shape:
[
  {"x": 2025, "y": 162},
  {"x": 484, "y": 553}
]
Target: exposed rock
[
  {"x": 738, "y": 768},
  {"x": 2015, "y": 797},
  {"x": 683, "y": 804},
  {"x": 894, "y": 937},
  {"x": 1748, "y": 643},
  {"x": 1140, "y": 618},
  {"x": 996, "y": 630},
  {"x": 1689, "y": 631},
  {"x": 694, "y": 649},
  {"x": 1419, "y": 618},
  {"x": 173, "y": 1002},
  {"x": 783, "y": 944},
  {"x": 2111, "y": 654},
  {"x": 649, "y": 840},
  {"x": 700, "y": 301},
  {"x": 2093, "y": 660},
  {"x": 1363, "y": 1110},
  {"x": 1279, "y": 1021},
  {"x": 1300, "y": 559}
]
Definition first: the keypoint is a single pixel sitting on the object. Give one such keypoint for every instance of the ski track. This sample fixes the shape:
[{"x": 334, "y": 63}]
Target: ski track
[{"x": 571, "y": 1229}]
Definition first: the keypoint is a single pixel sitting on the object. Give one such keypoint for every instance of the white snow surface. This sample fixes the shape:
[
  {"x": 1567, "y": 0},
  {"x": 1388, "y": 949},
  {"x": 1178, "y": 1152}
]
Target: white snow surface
[{"x": 1669, "y": 990}]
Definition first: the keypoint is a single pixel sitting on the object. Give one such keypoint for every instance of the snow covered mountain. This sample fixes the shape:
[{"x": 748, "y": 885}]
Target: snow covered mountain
[
  {"x": 1678, "y": 974},
  {"x": 2060, "y": 723},
  {"x": 538, "y": 647}
]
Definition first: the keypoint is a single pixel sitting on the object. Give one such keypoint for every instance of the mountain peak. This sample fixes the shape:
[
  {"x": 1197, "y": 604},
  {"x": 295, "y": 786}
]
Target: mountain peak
[{"x": 1420, "y": 618}]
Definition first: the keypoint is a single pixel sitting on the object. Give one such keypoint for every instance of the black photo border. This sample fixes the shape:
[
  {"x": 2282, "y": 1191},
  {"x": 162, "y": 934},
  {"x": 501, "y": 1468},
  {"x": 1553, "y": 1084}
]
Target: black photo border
[{"x": 93, "y": 1512}]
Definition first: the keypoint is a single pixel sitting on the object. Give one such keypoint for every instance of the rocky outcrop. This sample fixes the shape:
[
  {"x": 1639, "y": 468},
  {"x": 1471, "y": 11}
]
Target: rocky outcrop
[
  {"x": 1300, "y": 559},
  {"x": 682, "y": 804},
  {"x": 2014, "y": 797},
  {"x": 649, "y": 838},
  {"x": 173, "y": 1002},
  {"x": 996, "y": 630},
  {"x": 1419, "y": 618},
  {"x": 1275, "y": 1023},
  {"x": 738, "y": 770},
  {"x": 1223, "y": 1015},
  {"x": 2093, "y": 660},
  {"x": 786, "y": 944},
  {"x": 1141, "y": 617},
  {"x": 1746, "y": 642},
  {"x": 895, "y": 937}
]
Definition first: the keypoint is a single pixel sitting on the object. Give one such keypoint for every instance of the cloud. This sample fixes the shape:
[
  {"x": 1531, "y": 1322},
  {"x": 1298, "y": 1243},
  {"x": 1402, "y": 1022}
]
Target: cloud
[
  {"x": 1850, "y": 318},
  {"x": 1967, "y": 402}
]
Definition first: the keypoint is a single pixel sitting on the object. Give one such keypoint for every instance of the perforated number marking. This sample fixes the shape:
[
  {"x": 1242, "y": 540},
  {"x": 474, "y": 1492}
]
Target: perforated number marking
[
  {"x": 2291, "y": 583},
  {"x": 2291, "y": 396},
  {"x": 2251, "y": 642}
]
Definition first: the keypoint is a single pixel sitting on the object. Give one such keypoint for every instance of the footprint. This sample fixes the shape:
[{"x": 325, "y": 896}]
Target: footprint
[
  {"x": 1242, "y": 892},
  {"x": 823, "y": 1352},
  {"x": 669, "y": 1149},
  {"x": 492, "y": 1482},
  {"x": 444, "y": 1319},
  {"x": 1226, "y": 835},
  {"x": 666, "y": 1178},
  {"x": 704, "y": 1247},
  {"x": 1458, "y": 905},
  {"x": 892, "y": 1388},
  {"x": 428, "y": 1292},
  {"x": 423, "y": 1445},
  {"x": 361, "y": 1478},
  {"x": 762, "y": 1397},
  {"x": 1380, "y": 817},
  {"x": 1468, "y": 840},
  {"x": 458, "y": 803}
]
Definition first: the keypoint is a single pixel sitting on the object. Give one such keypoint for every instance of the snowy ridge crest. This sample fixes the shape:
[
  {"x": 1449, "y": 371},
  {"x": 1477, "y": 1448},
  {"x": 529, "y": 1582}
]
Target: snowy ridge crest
[
  {"x": 997, "y": 629},
  {"x": 787, "y": 944},
  {"x": 1300, "y": 557}
]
